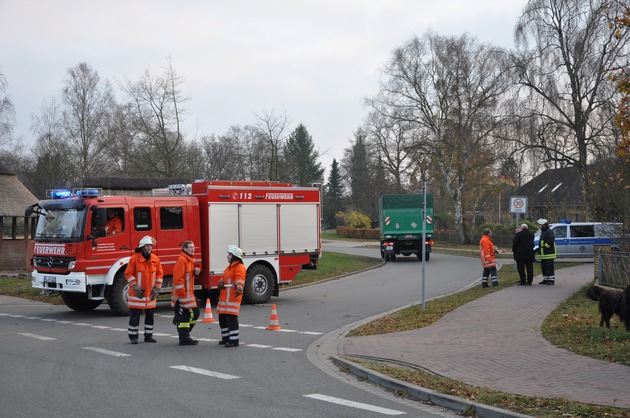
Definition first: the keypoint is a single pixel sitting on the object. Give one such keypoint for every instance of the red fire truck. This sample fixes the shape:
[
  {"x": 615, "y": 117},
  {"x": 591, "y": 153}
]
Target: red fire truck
[{"x": 275, "y": 224}]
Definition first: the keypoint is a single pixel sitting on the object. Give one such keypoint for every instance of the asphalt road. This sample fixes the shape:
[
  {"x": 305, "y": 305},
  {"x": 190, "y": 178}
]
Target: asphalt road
[{"x": 64, "y": 363}]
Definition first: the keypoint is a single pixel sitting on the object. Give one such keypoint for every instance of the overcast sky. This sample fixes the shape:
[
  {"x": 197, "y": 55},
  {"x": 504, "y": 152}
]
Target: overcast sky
[{"x": 313, "y": 60}]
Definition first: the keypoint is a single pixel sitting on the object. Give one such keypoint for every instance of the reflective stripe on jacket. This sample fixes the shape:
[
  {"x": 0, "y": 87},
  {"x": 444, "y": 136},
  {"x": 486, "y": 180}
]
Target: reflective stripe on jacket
[
  {"x": 229, "y": 303},
  {"x": 184, "y": 282},
  {"x": 147, "y": 274},
  {"x": 487, "y": 252},
  {"x": 547, "y": 250}
]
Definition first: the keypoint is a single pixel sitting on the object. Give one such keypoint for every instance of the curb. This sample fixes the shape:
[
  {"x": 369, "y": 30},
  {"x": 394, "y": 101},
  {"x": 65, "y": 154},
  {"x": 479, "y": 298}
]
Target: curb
[{"x": 427, "y": 395}]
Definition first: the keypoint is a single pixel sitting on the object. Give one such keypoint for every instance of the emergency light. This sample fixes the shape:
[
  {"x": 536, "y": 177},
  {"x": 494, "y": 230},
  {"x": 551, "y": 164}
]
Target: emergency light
[
  {"x": 88, "y": 192},
  {"x": 58, "y": 193},
  {"x": 565, "y": 221}
]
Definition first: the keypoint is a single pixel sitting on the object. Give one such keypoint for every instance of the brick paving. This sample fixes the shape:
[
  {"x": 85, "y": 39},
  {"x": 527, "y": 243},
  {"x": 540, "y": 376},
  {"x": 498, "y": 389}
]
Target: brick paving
[{"x": 496, "y": 342}]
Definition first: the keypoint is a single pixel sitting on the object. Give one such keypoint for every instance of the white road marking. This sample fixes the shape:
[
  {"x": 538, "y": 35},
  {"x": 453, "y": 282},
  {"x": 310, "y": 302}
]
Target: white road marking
[
  {"x": 287, "y": 349},
  {"x": 160, "y": 334},
  {"x": 205, "y": 372},
  {"x": 108, "y": 352},
  {"x": 352, "y": 404},
  {"x": 293, "y": 331},
  {"x": 39, "y": 337}
]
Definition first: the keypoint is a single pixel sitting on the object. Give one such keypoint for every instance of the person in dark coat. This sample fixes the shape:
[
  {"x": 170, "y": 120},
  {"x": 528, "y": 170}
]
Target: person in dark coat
[{"x": 523, "y": 249}]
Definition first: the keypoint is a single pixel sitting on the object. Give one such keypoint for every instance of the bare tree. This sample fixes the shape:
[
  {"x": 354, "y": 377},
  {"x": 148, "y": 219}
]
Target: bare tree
[
  {"x": 393, "y": 138},
  {"x": 272, "y": 130},
  {"x": 565, "y": 76},
  {"x": 157, "y": 102},
  {"x": 85, "y": 118},
  {"x": 121, "y": 140},
  {"x": 450, "y": 89},
  {"x": 7, "y": 112},
  {"x": 52, "y": 165}
]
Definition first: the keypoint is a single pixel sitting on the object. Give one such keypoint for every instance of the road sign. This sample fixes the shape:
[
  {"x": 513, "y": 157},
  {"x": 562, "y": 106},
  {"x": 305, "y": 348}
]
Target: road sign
[
  {"x": 429, "y": 220},
  {"x": 518, "y": 204}
]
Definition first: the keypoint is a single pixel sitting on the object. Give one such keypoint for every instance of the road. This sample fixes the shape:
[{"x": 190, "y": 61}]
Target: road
[{"x": 65, "y": 363}]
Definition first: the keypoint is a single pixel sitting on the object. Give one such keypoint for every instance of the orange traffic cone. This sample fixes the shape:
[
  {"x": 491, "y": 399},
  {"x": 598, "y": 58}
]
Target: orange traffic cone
[
  {"x": 207, "y": 316},
  {"x": 273, "y": 320}
]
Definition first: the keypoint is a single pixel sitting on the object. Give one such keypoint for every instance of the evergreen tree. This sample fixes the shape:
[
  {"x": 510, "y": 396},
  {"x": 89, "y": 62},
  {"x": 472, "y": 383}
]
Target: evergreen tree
[
  {"x": 333, "y": 194},
  {"x": 301, "y": 166},
  {"x": 358, "y": 168}
]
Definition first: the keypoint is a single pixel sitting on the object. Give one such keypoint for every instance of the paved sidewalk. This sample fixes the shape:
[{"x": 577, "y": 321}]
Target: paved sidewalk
[{"x": 496, "y": 342}]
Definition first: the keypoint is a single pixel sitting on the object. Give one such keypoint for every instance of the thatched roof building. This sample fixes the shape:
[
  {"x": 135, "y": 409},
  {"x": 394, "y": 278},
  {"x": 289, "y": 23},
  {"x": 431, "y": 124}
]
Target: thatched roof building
[{"x": 14, "y": 196}]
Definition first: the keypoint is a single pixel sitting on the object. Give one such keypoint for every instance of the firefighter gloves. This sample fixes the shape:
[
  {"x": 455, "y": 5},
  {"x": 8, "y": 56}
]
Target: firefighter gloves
[
  {"x": 155, "y": 292},
  {"x": 138, "y": 291}
]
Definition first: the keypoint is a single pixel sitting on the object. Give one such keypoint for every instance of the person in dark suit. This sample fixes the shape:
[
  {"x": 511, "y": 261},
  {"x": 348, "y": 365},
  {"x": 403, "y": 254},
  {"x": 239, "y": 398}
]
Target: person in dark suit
[{"x": 523, "y": 249}]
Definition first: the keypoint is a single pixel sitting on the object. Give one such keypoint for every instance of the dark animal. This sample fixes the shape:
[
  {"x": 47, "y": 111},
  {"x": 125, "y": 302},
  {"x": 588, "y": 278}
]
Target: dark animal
[{"x": 611, "y": 302}]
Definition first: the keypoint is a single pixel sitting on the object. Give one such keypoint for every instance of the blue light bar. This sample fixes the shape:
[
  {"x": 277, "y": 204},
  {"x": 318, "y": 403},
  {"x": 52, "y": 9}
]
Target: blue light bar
[
  {"x": 565, "y": 221},
  {"x": 88, "y": 192},
  {"x": 58, "y": 193}
]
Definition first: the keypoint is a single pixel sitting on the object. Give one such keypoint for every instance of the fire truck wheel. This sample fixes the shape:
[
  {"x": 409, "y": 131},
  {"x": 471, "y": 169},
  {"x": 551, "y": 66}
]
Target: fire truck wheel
[
  {"x": 117, "y": 295},
  {"x": 79, "y": 301},
  {"x": 259, "y": 284}
]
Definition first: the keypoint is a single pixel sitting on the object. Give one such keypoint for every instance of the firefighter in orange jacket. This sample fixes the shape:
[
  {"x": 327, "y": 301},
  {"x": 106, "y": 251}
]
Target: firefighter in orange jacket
[
  {"x": 183, "y": 300},
  {"x": 114, "y": 223},
  {"x": 487, "y": 253},
  {"x": 144, "y": 276},
  {"x": 231, "y": 293}
]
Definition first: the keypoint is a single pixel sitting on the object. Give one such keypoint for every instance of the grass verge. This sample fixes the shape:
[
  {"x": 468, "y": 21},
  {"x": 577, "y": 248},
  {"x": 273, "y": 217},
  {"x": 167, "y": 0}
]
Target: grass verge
[
  {"x": 334, "y": 265},
  {"x": 21, "y": 288}
]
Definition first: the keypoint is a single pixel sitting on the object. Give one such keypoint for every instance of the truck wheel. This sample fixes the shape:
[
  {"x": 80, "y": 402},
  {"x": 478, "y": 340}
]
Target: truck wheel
[
  {"x": 426, "y": 256},
  {"x": 259, "y": 284},
  {"x": 79, "y": 301},
  {"x": 117, "y": 296},
  {"x": 393, "y": 257},
  {"x": 383, "y": 254}
]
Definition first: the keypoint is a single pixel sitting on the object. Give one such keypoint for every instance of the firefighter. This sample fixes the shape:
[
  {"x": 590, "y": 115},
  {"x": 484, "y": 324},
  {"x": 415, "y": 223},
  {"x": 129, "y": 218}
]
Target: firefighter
[
  {"x": 144, "y": 276},
  {"x": 114, "y": 223},
  {"x": 547, "y": 252},
  {"x": 487, "y": 253},
  {"x": 230, "y": 296},
  {"x": 183, "y": 300}
]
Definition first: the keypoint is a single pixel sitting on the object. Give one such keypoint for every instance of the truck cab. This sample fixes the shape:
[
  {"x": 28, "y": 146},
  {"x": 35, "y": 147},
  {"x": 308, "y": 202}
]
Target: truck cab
[{"x": 77, "y": 255}]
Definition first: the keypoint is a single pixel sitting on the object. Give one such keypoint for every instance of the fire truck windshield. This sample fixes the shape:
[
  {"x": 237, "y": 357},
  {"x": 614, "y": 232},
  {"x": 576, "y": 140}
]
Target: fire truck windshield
[{"x": 60, "y": 225}]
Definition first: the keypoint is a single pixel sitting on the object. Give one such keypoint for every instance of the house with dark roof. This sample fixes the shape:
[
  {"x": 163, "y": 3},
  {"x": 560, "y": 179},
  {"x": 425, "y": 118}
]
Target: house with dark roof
[
  {"x": 555, "y": 194},
  {"x": 119, "y": 186}
]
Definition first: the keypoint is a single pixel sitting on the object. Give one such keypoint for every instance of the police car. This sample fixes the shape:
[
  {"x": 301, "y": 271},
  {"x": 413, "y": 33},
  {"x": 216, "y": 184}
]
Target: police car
[{"x": 578, "y": 239}]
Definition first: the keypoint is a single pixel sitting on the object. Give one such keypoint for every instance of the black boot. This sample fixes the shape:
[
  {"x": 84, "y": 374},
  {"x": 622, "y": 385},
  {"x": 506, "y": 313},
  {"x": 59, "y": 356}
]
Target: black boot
[{"x": 184, "y": 337}]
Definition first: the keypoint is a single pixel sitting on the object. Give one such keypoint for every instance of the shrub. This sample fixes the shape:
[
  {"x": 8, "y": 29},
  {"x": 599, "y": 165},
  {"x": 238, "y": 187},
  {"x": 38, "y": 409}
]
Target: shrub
[
  {"x": 359, "y": 233},
  {"x": 356, "y": 219}
]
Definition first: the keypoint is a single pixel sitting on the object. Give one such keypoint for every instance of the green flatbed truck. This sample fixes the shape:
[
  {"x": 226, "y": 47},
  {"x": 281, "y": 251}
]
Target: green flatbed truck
[{"x": 400, "y": 223}]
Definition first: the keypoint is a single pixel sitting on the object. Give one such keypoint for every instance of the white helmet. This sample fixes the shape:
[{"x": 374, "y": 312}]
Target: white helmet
[
  {"x": 542, "y": 221},
  {"x": 146, "y": 240},
  {"x": 235, "y": 251}
]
